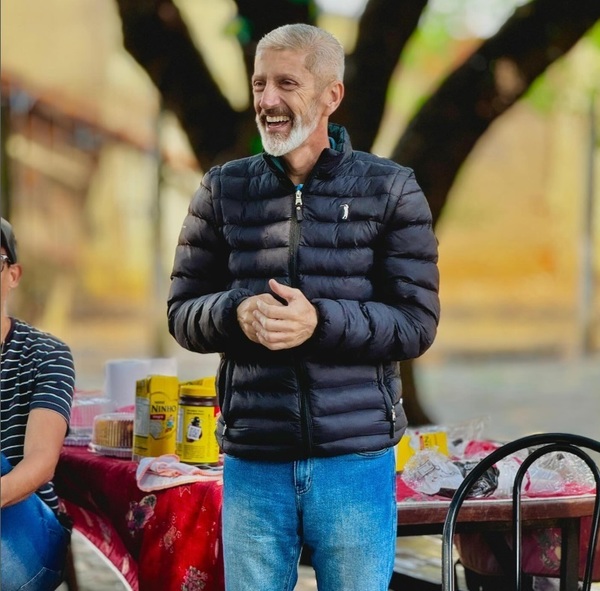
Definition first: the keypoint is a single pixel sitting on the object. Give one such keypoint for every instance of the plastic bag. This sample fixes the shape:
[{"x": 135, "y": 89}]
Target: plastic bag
[{"x": 433, "y": 473}]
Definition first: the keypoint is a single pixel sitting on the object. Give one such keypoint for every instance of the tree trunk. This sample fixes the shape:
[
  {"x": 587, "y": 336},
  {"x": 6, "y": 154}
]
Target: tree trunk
[{"x": 439, "y": 138}]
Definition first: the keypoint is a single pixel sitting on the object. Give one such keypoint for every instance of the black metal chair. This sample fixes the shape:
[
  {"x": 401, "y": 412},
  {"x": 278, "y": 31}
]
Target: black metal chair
[{"x": 541, "y": 445}]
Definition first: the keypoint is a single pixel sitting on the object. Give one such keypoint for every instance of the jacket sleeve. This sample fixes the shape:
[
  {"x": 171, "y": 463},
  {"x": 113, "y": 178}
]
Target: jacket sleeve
[
  {"x": 202, "y": 311},
  {"x": 400, "y": 322}
]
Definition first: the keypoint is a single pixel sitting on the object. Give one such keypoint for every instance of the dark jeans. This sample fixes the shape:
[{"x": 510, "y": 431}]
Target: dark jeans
[{"x": 34, "y": 545}]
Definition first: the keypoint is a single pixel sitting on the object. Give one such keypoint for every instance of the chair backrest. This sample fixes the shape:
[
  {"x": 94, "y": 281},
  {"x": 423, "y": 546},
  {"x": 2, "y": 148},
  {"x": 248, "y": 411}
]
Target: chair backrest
[{"x": 548, "y": 442}]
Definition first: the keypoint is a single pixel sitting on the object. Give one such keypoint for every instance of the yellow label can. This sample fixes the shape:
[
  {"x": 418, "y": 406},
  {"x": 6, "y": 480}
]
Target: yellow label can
[{"x": 155, "y": 423}]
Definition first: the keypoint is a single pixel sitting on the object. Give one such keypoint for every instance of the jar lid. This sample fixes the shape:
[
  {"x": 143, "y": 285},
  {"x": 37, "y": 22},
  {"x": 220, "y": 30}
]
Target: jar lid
[{"x": 202, "y": 388}]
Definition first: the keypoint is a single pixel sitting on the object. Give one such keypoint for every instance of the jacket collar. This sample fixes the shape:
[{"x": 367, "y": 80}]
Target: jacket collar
[{"x": 330, "y": 160}]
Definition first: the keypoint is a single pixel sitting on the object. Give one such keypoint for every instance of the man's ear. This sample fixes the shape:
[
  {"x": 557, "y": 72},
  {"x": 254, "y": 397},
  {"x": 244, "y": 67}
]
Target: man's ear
[
  {"x": 334, "y": 96},
  {"x": 14, "y": 275}
]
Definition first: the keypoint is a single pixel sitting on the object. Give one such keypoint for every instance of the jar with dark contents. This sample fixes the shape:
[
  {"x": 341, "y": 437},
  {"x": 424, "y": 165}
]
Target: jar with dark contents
[{"x": 196, "y": 441}]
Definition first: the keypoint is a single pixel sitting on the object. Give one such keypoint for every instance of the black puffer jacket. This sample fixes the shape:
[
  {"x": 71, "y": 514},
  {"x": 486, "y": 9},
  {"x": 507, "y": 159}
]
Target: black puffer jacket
[{"x": 357, "y": 241}]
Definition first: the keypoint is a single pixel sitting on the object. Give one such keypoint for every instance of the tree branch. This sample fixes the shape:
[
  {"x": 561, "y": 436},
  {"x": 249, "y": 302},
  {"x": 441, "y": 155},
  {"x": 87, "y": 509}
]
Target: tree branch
[
  {"x": 259, "y": 18},
  {"x": 444, "y": 131},
  {"x": 157, "y": 37},
  {"x": 384, "y": 29}
]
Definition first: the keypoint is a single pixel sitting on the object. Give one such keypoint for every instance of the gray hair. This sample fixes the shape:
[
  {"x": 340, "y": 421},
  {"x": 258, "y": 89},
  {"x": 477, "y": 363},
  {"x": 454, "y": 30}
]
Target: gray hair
[{"x": 324, "y": 53}]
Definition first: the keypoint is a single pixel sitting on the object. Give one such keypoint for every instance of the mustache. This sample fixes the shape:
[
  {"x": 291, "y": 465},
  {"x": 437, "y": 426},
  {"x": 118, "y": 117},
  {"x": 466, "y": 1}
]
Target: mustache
[{"x": 275, "y": 113}]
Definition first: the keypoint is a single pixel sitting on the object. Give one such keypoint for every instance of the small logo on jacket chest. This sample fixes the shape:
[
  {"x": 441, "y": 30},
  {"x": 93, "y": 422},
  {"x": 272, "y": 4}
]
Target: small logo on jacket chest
[{"x": 345, "y": 210}]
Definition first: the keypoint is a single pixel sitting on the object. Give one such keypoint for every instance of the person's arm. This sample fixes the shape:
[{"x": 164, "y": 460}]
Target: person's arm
[
  {"x": 202, "y": 312},
  {"x": 44, "y": 436}
]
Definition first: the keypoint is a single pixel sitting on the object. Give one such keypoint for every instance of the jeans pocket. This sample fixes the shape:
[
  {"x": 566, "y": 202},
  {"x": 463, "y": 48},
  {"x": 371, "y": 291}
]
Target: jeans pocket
[
  {"x": 56, "y": 546},
  {"x": 373, "y": 454},
  {"x": 44, "y": 580}
]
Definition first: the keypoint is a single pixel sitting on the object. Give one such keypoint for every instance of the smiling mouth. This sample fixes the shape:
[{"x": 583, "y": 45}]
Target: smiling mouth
[{"x": 276, "y": 122}]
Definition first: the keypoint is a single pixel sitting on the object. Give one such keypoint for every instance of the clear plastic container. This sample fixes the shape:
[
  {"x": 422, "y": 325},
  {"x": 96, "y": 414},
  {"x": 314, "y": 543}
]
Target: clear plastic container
[
  {"x": 113, "y": 434},
  {"x": 87, "y": 405}
]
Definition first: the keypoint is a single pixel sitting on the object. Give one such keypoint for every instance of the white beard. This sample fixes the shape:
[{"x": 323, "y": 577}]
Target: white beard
[{"x": 278, "y": 145}]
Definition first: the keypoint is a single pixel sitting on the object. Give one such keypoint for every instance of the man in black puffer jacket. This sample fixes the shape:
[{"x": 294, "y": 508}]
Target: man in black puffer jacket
[{"x": 312, "y": 270}]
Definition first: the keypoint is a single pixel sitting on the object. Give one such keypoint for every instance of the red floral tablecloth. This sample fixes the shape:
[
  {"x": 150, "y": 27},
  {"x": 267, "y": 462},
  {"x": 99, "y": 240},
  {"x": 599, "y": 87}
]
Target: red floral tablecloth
[
  {"x": 170, "y": 540},
  {"x": 165, "y": 540}
]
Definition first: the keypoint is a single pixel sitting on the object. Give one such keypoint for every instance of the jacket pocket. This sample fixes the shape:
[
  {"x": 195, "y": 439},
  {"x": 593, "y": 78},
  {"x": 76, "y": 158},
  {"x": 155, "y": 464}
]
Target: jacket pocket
[
  {"x": 225, "y": 389},
  {"x": 386, "y": 389}
]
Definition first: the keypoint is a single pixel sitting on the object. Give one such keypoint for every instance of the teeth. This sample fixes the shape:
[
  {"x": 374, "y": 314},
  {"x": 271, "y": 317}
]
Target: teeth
[{"x": 277, "y": 119}]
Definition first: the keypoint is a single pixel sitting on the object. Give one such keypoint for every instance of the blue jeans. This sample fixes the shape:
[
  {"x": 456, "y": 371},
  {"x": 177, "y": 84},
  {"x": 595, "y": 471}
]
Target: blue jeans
[
  {"x": 343, "y": 509},
  {"x": 34, "y": 545}
]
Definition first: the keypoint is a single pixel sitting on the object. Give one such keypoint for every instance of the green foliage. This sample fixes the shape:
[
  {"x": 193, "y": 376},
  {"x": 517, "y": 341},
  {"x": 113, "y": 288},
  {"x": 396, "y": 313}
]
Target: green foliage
[
  {"x": 430, "y": 40},
  {"x": 542, "y": 94},
  {"x": 255, "y": 146},
  {"x": 594, "y": 36},
  {"x": 568, "y": 82},
  {"x": 241, "y": 28}
]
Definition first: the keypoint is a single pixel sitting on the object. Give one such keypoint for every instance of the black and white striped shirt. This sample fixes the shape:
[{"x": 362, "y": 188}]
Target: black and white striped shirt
[{"x": 37, "y": 371}]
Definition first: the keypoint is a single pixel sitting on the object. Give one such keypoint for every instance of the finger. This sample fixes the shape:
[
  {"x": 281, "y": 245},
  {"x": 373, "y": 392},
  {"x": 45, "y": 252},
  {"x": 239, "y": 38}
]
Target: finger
[
  {"x": 275, "y": 311},
  {"x": 267, "y": 298},
  {"x": 284, "y": 291},
  {"x": 272, "y": 340},
  {"x": 274, "y": 324}
]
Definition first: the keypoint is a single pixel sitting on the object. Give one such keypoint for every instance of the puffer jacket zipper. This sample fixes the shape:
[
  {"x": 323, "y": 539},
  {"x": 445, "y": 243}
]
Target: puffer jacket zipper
[
  {"x": 297, "y": 217},
  {"x": 298, "y": 203}
]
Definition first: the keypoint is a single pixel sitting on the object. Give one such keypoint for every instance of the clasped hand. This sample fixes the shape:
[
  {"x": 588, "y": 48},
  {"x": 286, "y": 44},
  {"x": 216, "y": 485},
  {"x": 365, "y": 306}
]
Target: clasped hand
[{"x": 267, "y": 321}]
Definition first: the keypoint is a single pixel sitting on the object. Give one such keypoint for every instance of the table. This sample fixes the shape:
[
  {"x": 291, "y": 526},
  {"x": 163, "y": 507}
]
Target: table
[
  {"x": 555, "y": 528},
  {"x": 163, "y": 540},
  {"x": 167, "y": 538}
]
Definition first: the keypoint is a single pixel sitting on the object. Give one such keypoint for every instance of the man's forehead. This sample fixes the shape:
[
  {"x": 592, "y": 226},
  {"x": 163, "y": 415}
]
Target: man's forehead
[{"x": 280, "y": 59}]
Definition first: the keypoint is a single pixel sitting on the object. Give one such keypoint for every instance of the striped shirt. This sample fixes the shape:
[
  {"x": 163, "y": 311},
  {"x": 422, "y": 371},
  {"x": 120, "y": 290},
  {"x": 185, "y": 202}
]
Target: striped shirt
[{"x": 36, "y": 372}]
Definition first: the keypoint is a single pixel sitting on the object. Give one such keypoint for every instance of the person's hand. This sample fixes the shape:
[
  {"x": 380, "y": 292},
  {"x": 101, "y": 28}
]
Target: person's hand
[
  {"x": 245, "y": 313},
  {"x": 278, "y": 326}
]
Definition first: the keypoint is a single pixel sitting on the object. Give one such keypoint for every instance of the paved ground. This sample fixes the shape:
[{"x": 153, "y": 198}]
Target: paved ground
[
  {"x": 511, "y": 397},
  {"x": 94, "y": 574},
  {"x": 516, "y": 396}
]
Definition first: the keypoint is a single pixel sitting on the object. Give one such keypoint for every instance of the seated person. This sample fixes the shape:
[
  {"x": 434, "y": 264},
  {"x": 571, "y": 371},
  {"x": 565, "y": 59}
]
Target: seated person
[{"x": 37, "y": 381}]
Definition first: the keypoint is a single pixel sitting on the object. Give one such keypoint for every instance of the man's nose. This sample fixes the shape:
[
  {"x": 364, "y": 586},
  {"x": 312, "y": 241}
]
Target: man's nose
[{"x": 269, "y": 97}]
